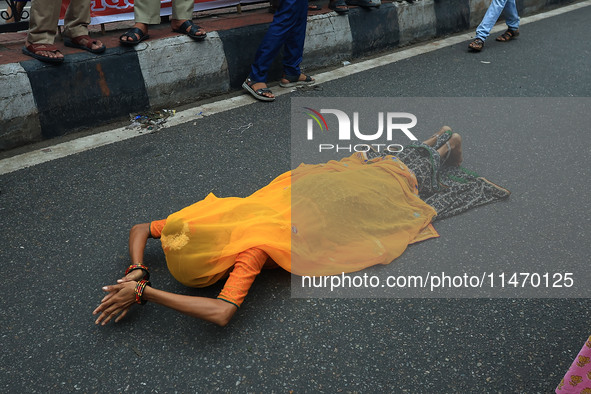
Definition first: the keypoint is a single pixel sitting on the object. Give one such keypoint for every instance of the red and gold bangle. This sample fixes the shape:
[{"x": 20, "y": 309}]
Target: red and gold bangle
[
  {"x": 139, "y": 291},
  {"x": 139, "y": 266}
]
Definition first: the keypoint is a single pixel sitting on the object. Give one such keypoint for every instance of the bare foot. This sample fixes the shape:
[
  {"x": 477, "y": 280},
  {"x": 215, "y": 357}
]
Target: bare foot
[
  {"x": 453, "y": 157},
  {"x": 433, "y": 139}
]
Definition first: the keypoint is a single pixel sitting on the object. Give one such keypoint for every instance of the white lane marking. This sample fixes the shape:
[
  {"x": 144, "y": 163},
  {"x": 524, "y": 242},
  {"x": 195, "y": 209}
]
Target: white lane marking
[{"x": 109, "y": 137}]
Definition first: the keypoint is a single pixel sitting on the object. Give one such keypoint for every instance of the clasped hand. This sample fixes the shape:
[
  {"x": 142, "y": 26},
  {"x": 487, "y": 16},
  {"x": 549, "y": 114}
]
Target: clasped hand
[{"x": 119, "y": 299}]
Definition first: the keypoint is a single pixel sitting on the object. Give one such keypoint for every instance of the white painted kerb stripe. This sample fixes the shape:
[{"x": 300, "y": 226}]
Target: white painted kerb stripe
[{"x": 109, "y": 137}]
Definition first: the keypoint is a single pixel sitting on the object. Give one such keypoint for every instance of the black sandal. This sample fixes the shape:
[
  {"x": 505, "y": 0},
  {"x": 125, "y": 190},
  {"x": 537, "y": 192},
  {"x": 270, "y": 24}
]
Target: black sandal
[
  {"x": 338, "y": 6},
  {"x": 192, "y": 32},
  {"x": 364, "y": 3},
  {"x": 134, "y": 36},
  {"x": 508, "y": 35},
  {"x": 258, "y": 94}
]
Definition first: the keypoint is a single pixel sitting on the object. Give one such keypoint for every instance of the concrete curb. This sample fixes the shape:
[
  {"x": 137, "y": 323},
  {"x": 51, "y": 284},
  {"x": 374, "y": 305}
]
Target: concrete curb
[
  {"x": 178, "y": 67},
  {"x": 42, "y": 101}
]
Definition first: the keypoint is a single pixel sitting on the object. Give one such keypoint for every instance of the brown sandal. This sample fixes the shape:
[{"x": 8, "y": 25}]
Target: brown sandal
[
  {"x": 84, "y": 42},
  {"x": 34, "y": 49},
  {"x": 476, "y": 45},
  {"x": 508, "y": 35}
]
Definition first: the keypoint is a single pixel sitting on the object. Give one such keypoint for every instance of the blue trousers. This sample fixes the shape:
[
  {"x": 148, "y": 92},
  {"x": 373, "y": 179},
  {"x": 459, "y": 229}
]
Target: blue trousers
[
  {"x": 288, "y": 29},
  {"x": 492, "y": 15}
]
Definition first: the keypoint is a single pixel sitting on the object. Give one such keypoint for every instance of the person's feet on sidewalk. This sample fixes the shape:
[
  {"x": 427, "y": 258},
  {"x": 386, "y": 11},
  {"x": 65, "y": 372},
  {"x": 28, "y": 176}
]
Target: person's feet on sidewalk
[
  {"x": 135, "y": 35},
  {"x": 188, "y": 28},
  {"x": 86, "y": 43},
  {"x": 338, "y": 6},
  {"x": 476, "y": 45},
  {"x": 258, "y": 90},
  {"x": 364, "y": 3},
  {"x": 139, "y": 31},
  {"x": 508, "y": 35},
  {"x": 288, "y": 81},
  {"x": 314, "y": 6},
  {"x": 45, "y": 52}
]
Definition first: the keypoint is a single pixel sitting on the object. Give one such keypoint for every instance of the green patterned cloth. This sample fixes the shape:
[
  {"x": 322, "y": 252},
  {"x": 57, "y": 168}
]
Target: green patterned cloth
[{"x": 451, "y": 190}]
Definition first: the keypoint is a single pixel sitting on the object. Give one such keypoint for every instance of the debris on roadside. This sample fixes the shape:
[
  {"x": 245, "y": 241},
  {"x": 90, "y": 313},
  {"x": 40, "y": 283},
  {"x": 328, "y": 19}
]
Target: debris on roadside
[
  {"x": 307, "y": 88},
  {"x": 152, "y": 120}
]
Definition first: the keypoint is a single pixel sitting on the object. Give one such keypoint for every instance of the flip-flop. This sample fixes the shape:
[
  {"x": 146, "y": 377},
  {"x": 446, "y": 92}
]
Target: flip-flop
[
  {"x": 192, "y": 31},
  {"x": 294, "y": 80},
  {"x": 133, "y": 40},
  {"x": 259, "y": 93},
  {"x": 32, "y": 50},
  {"x": 76, "y": 42}
]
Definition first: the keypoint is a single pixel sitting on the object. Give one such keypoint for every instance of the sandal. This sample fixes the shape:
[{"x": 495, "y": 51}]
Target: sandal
[
  {"x": 476, "y": 45},
  {"x": 314, "y": 7},
  {"x": 134, "y": 36},
  {"x": 34, "y": 49},
  {"x": 258, "y": 94},
  {"x": 364, "y": 3},
  {"x": 192, "y": 32},
  {"x": 338, "y": 6},
  {"x": 79, "y": 42},
  {"x": 508, "y": 35},
  {"x": 294, "y": 80}
]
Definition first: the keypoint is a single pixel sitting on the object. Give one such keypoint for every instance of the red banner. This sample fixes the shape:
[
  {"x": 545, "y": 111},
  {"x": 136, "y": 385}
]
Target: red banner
[{"x": 104, "y": 11}]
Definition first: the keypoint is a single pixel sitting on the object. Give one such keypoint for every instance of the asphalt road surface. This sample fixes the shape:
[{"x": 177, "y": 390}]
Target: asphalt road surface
[{"x": 65, "y": 225}]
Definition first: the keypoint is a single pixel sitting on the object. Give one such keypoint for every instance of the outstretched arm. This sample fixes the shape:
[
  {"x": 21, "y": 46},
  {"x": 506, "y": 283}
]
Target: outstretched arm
[{"x": 122, "y": 296}]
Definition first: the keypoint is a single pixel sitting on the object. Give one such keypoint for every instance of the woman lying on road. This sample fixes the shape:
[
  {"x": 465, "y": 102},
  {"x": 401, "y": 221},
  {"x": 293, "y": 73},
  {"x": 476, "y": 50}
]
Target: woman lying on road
[{"x": 325, "y": 219}]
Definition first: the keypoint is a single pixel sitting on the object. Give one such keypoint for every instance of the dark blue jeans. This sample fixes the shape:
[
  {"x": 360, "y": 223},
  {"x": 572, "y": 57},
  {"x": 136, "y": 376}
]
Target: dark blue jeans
[{"x": 288, "y": 30}]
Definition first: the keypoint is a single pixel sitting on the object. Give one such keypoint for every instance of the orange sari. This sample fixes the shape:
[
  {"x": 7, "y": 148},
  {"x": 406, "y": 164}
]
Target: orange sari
[{"x": 324, "y": 219}]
